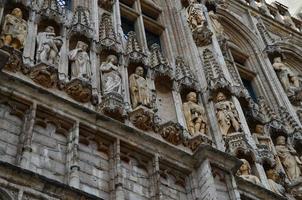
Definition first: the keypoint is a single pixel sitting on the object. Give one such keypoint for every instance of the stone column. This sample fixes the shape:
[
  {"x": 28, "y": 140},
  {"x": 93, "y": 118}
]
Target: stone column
[
  {"x": 154, "y": 175},
  {"x": 63, "y": 62},
  {"x": 73, "y": 156},
  {"x": 118, "y": 191},
  {"x": 26, "y": 136}
]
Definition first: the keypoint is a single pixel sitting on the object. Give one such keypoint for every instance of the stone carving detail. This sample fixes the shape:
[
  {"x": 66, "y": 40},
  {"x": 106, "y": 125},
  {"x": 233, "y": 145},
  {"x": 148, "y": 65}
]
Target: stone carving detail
[
  {"x": 289, "y": 81},
  {"x": 45, "y": 75},
  {"x": 139, "y": 89},
  {"x": 184, "y": 77},
  {"x": 107, "y": 37},
  {"x": 198, "y": 24},
  {"x": 226, "y": 114},
  {"x": 218, "y": 28},
  {"x": 159, "y": 63},
  {"x": 266, "y": 36},
  {"x": 79, "y": 86},
  {"x": 14, "y": 30},
  {"x": 48, "y": 47},
  {"x": 106, "y": 4},
  {"x": 261, "y": 111},
  {"x": 237, "y": 142},
  {"x": 274, "y": 180},
  {"x": 289, "y": 159},
  {"x": 214, "y": 74},
  {"x": 134, "y": 53},
  {"x": 80, "y": 66},
  {"x": 111, "y": 78},
  {"x": 142, "y": 118},
  {"x": 81, "y": 22},
  {"x": 113, "y": 105},
  {"x": 245, "y": 172},
  {"x": 51, "y": 9},
  {"x": 14, "y": 60},
  {"x": 172, "y": 132},
  {"x": 194, "y": 142},
  {"x": 194, "y": 115}
]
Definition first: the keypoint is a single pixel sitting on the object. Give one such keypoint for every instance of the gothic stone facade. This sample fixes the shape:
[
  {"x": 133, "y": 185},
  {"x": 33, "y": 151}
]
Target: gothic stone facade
[{"x": 150, "y": 99}]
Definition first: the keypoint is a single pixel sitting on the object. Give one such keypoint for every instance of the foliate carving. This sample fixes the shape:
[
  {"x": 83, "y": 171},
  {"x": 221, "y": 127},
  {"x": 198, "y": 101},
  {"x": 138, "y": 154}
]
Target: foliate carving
[
  {"x": 235, "y": 75},
  {"x": 184, "y": 77},
  {"x": 237, "y": 142},
  {"x": 81, "y": 22},
  {"x": 261, "y": 111},
  {"x": 142, "y": 118},
  {"x": 44, "y": 74},
  {"x": 197, "y": 22},
  {"x": 134, "y": 53},
  {"x": 106, "y": 4},
  {"x": 79, "y": 89},
  {"x": 107, "y": 37},
  {"x": 159, "y": 63},
  {"x": 113, "y": 105},
  {"x": 214, "y": 74},
  {"x": 265, "y": 155},
  {"x": 14, "y": 30},
  {"x": 14, "y": 61},
  {"x": 172, "y": 132},
  {"x": 194, "y": 142}
]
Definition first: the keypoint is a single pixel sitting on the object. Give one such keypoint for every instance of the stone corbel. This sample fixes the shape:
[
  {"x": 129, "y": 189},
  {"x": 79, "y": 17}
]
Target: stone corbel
[
  {"x": 44, "y": 74},
  {"x": 142, "y": 118},
  {"x": 79, "y": 89},
  {"x": 172, "y": 132}
]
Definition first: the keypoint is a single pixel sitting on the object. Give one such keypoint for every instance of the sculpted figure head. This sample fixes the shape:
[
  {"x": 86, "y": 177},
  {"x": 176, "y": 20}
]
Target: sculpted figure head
[
  {"x": 272, "y": 174},
  {"x": 220, "y": 97},
  {"x": 277, "y": 60},
  {"x": 112, "y": 59},
  {"x": 245, "y": 167},
  {"x": 281, "y": 140},
  {"x": 139, "y": 71},
  {"x": 82, "y": 45},
  {"x": 49, "y": 29},
  {"x": 259, "y": 129},
  {"x": 17, "y": 13},
  {"x": 192, "y": 97}
]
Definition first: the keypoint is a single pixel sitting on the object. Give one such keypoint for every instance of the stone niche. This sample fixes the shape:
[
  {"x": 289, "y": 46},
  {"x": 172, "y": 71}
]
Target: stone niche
[
  {"x": 165, "y": 102},
  {"x": 136, "y": 174},
  {"x": 11, "y": 123},
  {"x": 94, "y": 163},
  {"x": 172, "y": 185},
  {"x": 49, "y": 145}
]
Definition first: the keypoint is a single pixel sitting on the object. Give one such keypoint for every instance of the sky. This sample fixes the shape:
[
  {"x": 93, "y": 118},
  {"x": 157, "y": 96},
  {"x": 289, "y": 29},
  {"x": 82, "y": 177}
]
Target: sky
[{"x": 293, "y": 5}]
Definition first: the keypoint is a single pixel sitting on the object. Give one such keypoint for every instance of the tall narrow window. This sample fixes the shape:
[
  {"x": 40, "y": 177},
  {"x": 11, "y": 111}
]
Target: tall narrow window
[
  {"x": 248, "y": 85},
  {"x": 152, "y": 38},
  {"x": 127, "y": 26}
]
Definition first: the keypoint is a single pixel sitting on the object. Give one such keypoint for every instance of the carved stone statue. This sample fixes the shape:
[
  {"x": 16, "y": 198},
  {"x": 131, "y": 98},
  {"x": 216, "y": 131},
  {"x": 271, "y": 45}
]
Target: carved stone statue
[
  {"x": 289, "y": 159},
  {"x": 80, "y": 66},
  {"x": 215, "y": 23},
  {"x": 227, "y": 114},
  {"x": 14, "y": 29},
  {"x": 285, "y": 74},
  {"x": 111, "y": 78},
  {"x": 139, "y": 90},
  {"x": 196, "y": 17},
  {"x": 194, "y": 115},
  {"x": 273, "y": 180},
  {"x": 259, "y": 136},
  {"x": 48, "y": 46},
  {"x": 245, "y": 172}
]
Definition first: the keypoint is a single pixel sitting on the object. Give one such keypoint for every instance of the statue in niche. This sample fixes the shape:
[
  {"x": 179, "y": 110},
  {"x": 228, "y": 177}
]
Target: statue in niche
[
  {"x": 289, "y": 159},
  {"x": 273, "y": 179},
  {"x": 259, "y": 136},
  {"x": 111, "y": 78},
  {"x": 218, "y": 28},
  {"x": 80, "y": 66},
  {"x": 245, "y": 172},
  {"x": 14, "y": 29},
  {"x": 139, "y": 90},
  {"x": 194, "y": 115},
  {"x": 227, "y": 114},
  {"x": 48, "y": 46},
  {"x": 196, "y": 17},
  {"x": 285, "y": 75}
]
